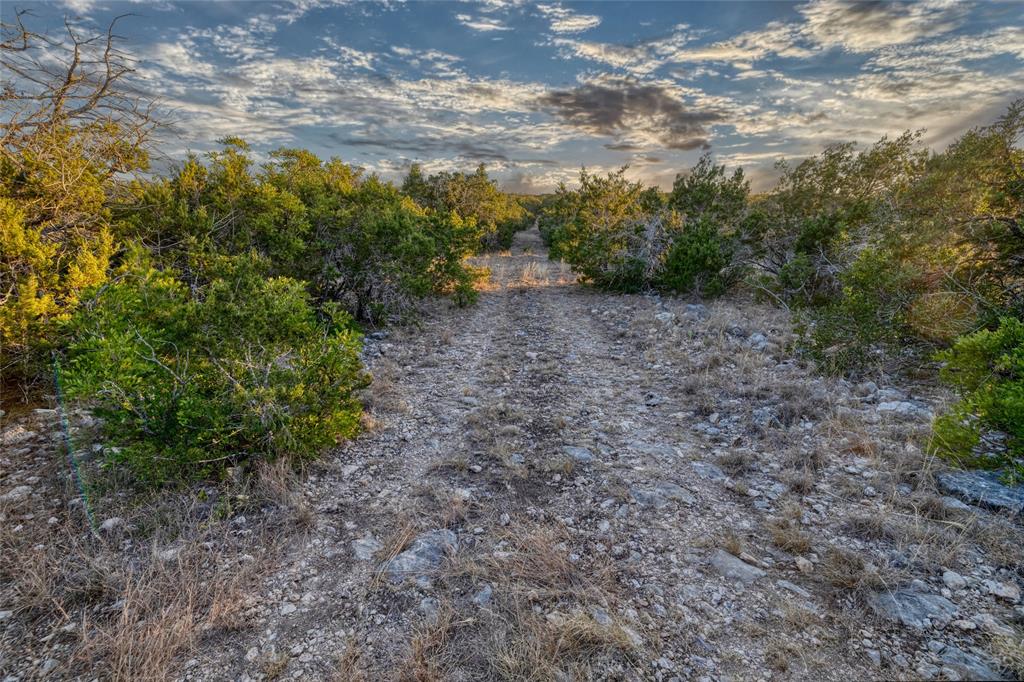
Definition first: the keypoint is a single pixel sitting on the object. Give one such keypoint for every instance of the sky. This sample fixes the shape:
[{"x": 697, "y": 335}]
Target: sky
[{"x": 535, "y": 91}]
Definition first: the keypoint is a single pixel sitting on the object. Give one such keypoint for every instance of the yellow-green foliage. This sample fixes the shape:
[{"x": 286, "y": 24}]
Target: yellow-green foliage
[{"x": 43, "y": 277}]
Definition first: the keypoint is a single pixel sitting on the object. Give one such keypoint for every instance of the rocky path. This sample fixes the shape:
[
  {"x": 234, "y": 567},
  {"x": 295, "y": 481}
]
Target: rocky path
[{"x": 563, "y": 484}]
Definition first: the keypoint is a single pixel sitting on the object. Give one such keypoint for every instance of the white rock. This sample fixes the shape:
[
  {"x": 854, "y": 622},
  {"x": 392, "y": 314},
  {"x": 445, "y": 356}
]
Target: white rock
[{"x": 954, "y": 580}]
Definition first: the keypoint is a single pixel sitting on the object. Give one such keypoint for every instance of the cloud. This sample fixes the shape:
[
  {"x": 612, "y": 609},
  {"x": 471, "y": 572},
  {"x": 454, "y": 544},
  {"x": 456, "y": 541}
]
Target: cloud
[
  {"x": 621, "y": 106},
  {"x": 482, "y": 24},
  {"x": 866, "y": 26},
  {"x": 566, "y": 21}
]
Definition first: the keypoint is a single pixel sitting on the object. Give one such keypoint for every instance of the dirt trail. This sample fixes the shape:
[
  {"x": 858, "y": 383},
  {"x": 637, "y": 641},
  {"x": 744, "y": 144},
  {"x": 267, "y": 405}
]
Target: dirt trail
[{"x": 589, "y": 486}]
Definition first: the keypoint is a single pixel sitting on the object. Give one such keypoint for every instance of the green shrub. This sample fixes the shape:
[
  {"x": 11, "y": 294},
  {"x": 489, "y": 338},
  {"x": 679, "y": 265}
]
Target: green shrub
[
  {"x": 188, "y": 383},
  {"x": 987, "y": 370},
  {"x": 697, "y": 260},
  {"x": 471, "y": 196},
  {"x": 866, "y": 325}
]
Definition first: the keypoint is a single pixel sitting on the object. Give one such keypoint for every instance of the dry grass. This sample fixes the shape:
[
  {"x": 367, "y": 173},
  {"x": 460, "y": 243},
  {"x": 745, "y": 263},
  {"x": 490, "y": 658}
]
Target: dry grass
[
  {"x": 393, "y": 545},
  {"x": 526, "y": 646},
  {"x": 349, "y": 666},
  {"x": 848, "y": 570},
  {"x": 732, "y": 543},
  {"x": 1009, "y": 650},
  {"x": 540, "y": 623},
  {"x": 787, "y": 535}
]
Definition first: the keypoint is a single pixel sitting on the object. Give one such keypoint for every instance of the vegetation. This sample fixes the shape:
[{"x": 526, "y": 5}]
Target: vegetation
[
  {"x": 474, "y": 198},
  {"x": 211, "y": 316},
  {"x": 885, "y": 256}
]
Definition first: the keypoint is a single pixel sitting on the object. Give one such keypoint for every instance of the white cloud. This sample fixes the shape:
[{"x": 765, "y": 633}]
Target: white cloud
[
  {"x": 564, "y": 20},
  {"x": 482, "y": 24},
  {"x": 867, "y": 26}
]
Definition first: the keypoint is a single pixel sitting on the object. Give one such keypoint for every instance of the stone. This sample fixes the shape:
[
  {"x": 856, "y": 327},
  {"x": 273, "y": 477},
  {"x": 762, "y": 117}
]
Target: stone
[
  {"x": 111, "y": 524},
  {"x": 580, "y": 455},
  {"x": 734, "y": 568},
  {"x": 426, "y": 553},
  {"x": 904, "y": 408},
  {"x": 287, "y": 609},
  {"x": 984, "y": 489},
  {"x": 16, "y": 494},
  {"x": 803, "y": 565},
  {"x": 483, "y": 597},
  {"x": 794, "y": 588},
  {"x": 970, "y": 666},
  {"x": 927, "y": 671},
  {"x": 675, "y": 493},
  {"x": 1007, "y": 591},
  {"x": 911, "y": 607},
  {"x": 366, "y": 547},
  {"x": 4, "y": 615},
  {"x": 764, "y": 417},
  {"x": 170, "y": 555},
  {"x": 665, "y": 317},
  {"x": 758, "y": 341},
  {"x": 708, "y": 471},
  {"x": 866, "y": 388},
  {"x": 954, "y": 580},
  {"x": 661, "y": 495},
  {"x": 875, "y": 657}
]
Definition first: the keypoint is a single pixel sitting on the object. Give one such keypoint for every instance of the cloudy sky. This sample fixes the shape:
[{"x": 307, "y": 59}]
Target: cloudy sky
[{"x": 537, "y": 90}]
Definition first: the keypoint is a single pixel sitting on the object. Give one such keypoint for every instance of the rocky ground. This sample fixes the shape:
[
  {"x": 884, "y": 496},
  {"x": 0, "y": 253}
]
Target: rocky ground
[{"x": 562, "y": 484}]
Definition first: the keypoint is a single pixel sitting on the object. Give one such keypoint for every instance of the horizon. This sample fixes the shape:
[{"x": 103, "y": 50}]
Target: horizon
[{"x": 535, "y": 91}]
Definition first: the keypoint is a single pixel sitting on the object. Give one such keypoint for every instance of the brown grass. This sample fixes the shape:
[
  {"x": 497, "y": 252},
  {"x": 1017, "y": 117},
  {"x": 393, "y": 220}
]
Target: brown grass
[{"x": 787, "y": 535}]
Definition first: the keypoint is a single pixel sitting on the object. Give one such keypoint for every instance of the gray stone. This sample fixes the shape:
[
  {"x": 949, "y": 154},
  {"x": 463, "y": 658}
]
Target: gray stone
[
  {"x": 708, "y": 471},
  {"x": 4, "y": 615},
  {"x": 111, "y": 524},
  {"x": 905, "y": 408},
  {"x": 758, "y": 341},
  {"x": 426, "y": 553},
  {"x": 954, "y": 580},
  {"x": 735, "y": 568},
  {"x": 984, "y": 489},
  {"x": 366, "y": 547},
  {"x": 765, "y": 417},
  {"x": 18, "y": 493},
  {"x": 483, "y": 597},
  {"x": 675, "y": 493},
  {"x": 914, "y": 609},
  {"x": 661, "y": 495},
  {"x": 1007, "y": 591},
  {"x": 287, "y": 609},
  {"x": 601, "y": 617},
  {"x": 794, "y": 588},
  {"x": 866, "y": 388},
  {"x": 580, "y": 455},
  {"x": 970, "y": 666}
]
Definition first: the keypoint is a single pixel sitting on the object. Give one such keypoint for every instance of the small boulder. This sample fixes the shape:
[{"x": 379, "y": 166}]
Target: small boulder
[
  {"x": 426, "y": 553},
  {"x": 735, "y": 568},
  {"x": 914, "y": 609}
]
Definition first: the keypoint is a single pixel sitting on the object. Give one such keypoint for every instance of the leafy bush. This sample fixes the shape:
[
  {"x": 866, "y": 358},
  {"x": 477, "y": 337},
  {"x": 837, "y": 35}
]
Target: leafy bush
[
  {"x": 867, "y": 323},
  {"x": 470, "y": 196},
  {"x": 697, "y": 260},
  {"x": 187, "y": 384},
  {"x": 987, "y": 369},
  {"x": 620, "y": 236}
]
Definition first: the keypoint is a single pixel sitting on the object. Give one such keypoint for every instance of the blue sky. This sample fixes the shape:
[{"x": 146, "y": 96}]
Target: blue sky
[{"x": 534, "y": 91}]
